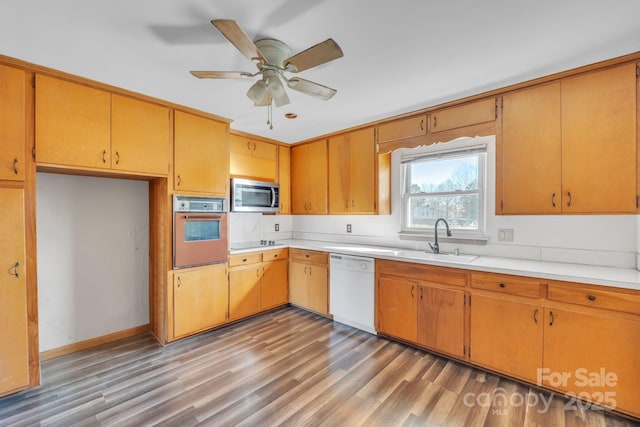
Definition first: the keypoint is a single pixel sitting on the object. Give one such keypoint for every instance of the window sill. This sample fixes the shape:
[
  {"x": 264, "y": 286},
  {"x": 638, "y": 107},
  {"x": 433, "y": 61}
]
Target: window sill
[{"x": 469, "y": 239}]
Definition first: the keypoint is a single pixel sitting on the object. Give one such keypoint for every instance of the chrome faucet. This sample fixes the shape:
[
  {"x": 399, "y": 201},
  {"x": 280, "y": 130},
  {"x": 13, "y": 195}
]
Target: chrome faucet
[{"x": 435, "y": 248}]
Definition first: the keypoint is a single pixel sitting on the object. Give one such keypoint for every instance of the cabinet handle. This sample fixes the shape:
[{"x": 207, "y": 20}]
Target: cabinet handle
[
  {"x": 248, "y": 145},
  {"x": 179, "y": 281},
  {"x": 412, "y": 291},
  {"x": 275, "y": 255},
  {"x": 310, "y": 271},
  {"x": 258, "y": 272},
  {"x": 306, "y": 255},
  {"x": 117, "y": 158},
  {"x": 254, "y": 146},
  {"x": 353, "y": 203},
  {"x": 421, "y": 292},
  {"x": 15, "y": 167},
  {"x": 15, "y": 269},
  {"x": 591, "y": 297},
  {"x": 422, "y": 124},
  {"x": 346, "y": 205},
  {"x": 305, "y": 269},
  {"x": 104, "y": 153},
  {"x": 244, "y": 260},
  {"x": 569, "y": 195},
  {"x": 435, "y": 121},
  {"x": 553, "y": 200},
  {"x": 502, "y": 285},
  {"x": 179, "y": 180},
  {"x": 263, "y": 271},
  {"x": 552, "y": 318},
  {"x": 535, "y": 316}
]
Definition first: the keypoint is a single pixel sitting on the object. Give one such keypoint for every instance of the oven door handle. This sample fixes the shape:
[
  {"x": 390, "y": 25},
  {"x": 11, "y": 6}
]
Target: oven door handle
[{"x": 202, "y": 217}]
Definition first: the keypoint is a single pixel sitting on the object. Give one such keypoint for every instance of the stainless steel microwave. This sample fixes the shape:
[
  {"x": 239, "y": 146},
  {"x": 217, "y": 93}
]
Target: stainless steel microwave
[{"x": 254, "y": 196}]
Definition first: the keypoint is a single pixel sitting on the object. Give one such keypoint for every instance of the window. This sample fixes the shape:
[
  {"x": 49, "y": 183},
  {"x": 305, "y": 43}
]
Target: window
[{"x": 444, "y": 184}]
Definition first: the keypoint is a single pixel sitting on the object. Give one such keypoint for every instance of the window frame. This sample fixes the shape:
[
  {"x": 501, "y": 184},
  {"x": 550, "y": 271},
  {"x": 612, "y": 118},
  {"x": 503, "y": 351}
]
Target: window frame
[{"x": 454, "y": 149}]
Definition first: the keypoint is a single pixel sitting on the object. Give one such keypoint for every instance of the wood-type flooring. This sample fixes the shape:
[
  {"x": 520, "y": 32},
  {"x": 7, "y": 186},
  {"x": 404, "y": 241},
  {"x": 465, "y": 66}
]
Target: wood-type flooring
[{"x": 287, "y": 367}]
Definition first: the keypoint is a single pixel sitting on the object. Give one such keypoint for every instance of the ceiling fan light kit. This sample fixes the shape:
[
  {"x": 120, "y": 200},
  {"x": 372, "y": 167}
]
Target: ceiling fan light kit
[{"x": 273, "y": 59}]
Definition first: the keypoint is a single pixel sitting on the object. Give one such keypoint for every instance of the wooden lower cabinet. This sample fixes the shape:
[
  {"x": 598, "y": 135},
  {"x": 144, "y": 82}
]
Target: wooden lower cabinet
[
  {"x": 441, "y": 319},
  {"x": 244, "y": 291},
  {"x": 309, "y": 283},
  {"x": 14, "y": 359},
  {"x": 397, "y": 309},
  {"x": 506, "y": 335},
  {"x": 274, "y": 284},
  {"x": 593, "y": 357},
  {"x": 200, "y": 299}
]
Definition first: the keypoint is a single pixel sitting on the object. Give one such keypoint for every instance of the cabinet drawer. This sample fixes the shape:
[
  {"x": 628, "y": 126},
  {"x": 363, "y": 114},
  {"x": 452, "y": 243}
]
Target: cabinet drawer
[
  {"x": 243, "y": 259},
  {"x": 311, "y": 257},
  {"x": 401, "y": 129},
  {"x": 514, "y": 285},
  {"x": 464, "y": 115},
  {"x": 591, "y": 297},
  {"x": 275, "y": 254}
]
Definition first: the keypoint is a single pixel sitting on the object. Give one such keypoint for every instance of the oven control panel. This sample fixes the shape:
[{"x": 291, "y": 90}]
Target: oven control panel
[{"x": 199, "y": 204}]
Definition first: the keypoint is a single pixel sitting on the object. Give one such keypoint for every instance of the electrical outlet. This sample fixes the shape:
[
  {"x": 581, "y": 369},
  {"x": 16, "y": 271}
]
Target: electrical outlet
[
  {"x": 505, "y": 234},
  {"x": 277, "y": 227},
  {"x": 348, "y": 228}
]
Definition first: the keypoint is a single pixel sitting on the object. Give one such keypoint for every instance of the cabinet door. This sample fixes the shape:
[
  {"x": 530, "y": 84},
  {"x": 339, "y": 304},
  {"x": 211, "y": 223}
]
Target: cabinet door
[
  {"x": 318, "y": 289},
  {"x": 244, "y": 291},
  {"x": 362, "y": 171},
  {"x": 200, "y": 299},
  {"x": 200, "y": 154},
  {"x": 252, "y": 159},
  {"x": 531, "y": 151},
  {"x": 339, "y": 171},
  {"x": 441, "y": 320},
  {"x": 463, "y": 115},
  {"x": 274, "y": 285},
  {"x": 14, "y": 363},
  {"x": 397, "y": 308},
  {"x": 140, "y": 136},
  {"x": 299, "y": 179},
  {"x": 317, "y": 177},
  {"x": 73, "y": 124},
  {"x": 284, "y": 178},
  {"x": 597, "y": 355},
  {"x": 506, "y": 336},
  {"x": 599, "y": 141},
  {"x": 298, "y": 294},
  {"x": 12, "y": 123},
  {"x": 402, "y": 129}
]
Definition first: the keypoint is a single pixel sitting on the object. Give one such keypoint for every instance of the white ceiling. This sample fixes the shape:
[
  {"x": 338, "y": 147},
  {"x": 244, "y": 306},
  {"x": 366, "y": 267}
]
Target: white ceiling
[{"x": 399, "y": 56}]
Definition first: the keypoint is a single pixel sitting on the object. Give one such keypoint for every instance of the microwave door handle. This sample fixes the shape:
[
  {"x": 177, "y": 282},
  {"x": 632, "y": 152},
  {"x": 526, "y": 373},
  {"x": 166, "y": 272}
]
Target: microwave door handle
[
  {"x": 273, "y": 197},
  {"x": 203, "y": 218}
]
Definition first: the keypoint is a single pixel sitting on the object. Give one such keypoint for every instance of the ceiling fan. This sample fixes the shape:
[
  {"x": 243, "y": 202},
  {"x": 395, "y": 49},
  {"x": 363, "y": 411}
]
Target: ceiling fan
[{"x": 273, "y": 59}]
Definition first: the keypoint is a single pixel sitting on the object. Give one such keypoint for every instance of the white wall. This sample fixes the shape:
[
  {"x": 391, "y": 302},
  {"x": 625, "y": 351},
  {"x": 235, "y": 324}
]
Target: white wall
[
  {"x": 93, "y": 250},
  {"x": 610, "y": 240}
]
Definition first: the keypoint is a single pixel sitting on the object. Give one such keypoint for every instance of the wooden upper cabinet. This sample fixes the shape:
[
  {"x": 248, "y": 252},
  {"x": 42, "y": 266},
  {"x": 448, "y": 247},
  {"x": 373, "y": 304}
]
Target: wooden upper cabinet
[
  {"x": 309, "y": 183},
  {"x": 73, "y": 124},
  {"x": 200, "y": 154},
  {"x": 284, "y": 178},
  {"x": 14, "y": 366},
  {"x": 531, "y": 142},
  {"x": 352, "y": 172},
  {"x": 599, "y": 141},
  {"x": 13, "y": 98},
  {"x": 403, "y": 128},
  {"x": 249, "y": 158},
  {"x": 463, "y": 115},
  {"x": 140, "y": 136}
]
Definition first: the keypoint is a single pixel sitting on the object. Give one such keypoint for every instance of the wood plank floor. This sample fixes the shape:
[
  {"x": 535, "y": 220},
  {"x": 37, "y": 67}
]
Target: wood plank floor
[{"x": 287, "y": 367}]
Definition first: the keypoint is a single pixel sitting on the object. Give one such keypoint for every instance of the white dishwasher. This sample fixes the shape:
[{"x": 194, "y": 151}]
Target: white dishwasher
[{"x": 352, "y": 290}]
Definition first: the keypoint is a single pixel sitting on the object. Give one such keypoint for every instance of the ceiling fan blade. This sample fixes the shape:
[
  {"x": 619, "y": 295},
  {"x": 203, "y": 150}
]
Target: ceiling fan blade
[
  {"x": 277, "y": 92},
  {"x": 321, "y": 53},
  {"x": 232, "y": 31},
  {"x": 311, "y": 88},
  {"x": 221, "y": 74}
]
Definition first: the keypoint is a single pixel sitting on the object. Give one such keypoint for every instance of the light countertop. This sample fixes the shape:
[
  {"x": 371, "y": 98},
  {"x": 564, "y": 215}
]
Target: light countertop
[{"x": 626, "y": 278}]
